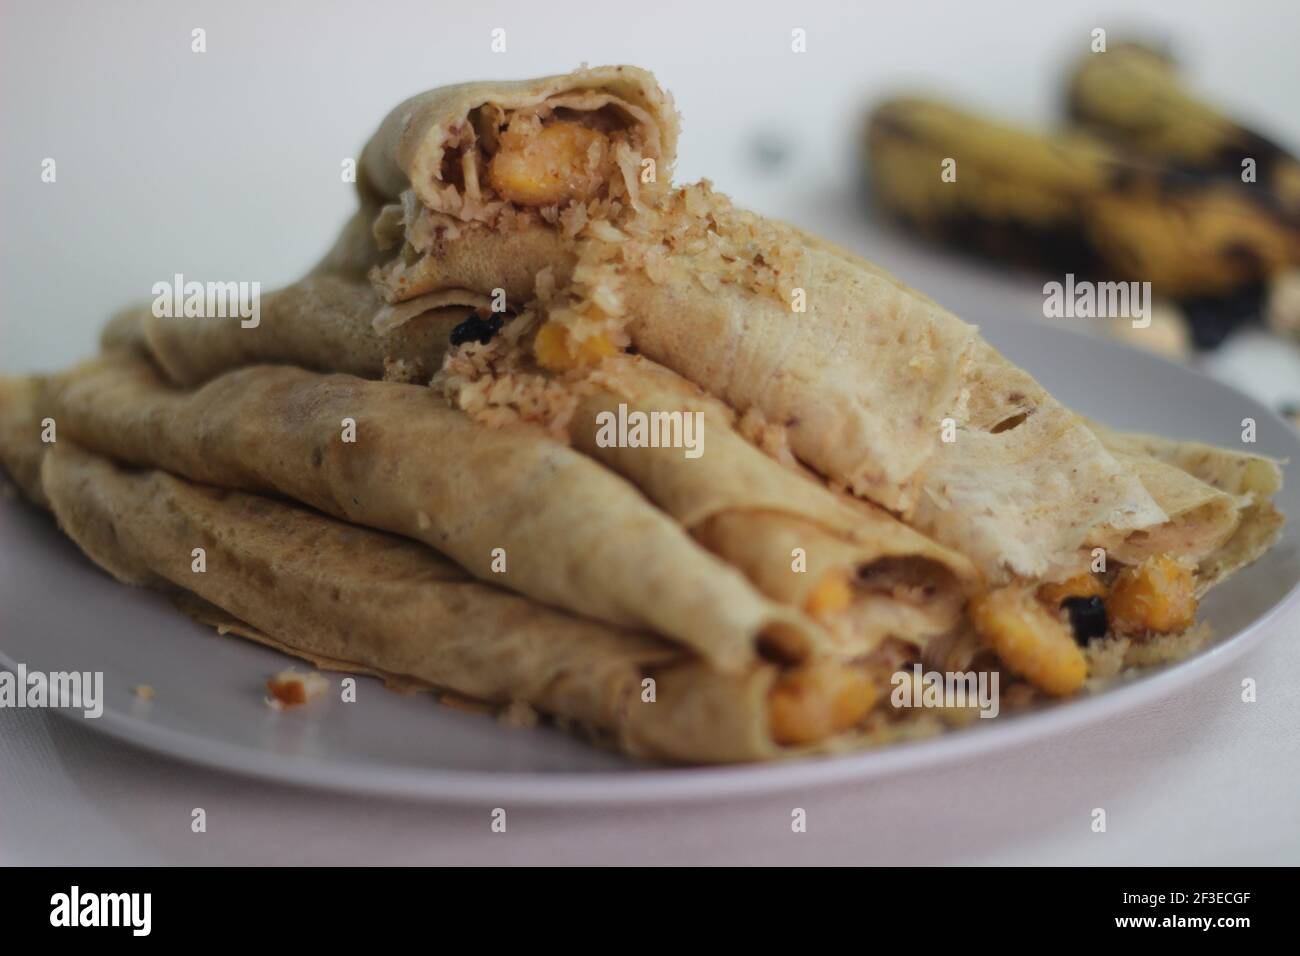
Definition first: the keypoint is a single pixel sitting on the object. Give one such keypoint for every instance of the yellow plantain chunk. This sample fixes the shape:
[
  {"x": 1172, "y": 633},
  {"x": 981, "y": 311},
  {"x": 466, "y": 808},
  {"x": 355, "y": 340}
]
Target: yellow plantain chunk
[
  {"x": 547, "y": 166},
  {"x": 814, "y": 702},
  {"x": 557, "y": 351},
  {"x": 1031, "y": 640},
  {"x": 1080, "y": 586},
  {"x": 832, "y": 593},
  {"x": 1157, "y": 596}
]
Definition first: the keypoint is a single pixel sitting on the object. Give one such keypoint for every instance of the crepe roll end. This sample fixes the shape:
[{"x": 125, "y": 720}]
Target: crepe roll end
[{"x": 785, "y": 641}]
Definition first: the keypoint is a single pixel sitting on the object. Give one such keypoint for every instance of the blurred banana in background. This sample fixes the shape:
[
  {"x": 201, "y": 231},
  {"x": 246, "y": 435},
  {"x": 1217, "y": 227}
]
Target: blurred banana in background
[
  {"x": 1134, "y": 95},
  {"x": 1175, "y": 212},
  {"x": 1073, "y": 202}
]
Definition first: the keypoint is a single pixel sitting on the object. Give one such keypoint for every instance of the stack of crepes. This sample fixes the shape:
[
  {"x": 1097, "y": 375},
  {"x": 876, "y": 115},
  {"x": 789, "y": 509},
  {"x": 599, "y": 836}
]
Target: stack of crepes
[{"x": 404, "y": 469}]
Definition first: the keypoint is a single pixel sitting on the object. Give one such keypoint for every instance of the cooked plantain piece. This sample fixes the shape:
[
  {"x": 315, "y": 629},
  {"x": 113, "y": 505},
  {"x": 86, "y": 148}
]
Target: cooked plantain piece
[
  {"x": 1134, "y": 95},
  {"x": 1073, "y": 203}
]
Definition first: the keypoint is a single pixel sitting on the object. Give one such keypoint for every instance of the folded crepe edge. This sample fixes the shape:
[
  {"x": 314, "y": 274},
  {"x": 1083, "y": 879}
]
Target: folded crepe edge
[
  {"x": 1242, "y": 481},
  {"x": 21, "y": 446}
]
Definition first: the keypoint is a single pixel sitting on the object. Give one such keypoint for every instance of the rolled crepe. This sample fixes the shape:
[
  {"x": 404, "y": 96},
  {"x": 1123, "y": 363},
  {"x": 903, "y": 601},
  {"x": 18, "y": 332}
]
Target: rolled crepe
[
  {"x": 423, "y": 141},
  {"x": 861, "y": 571},
  {"x": 325, "y": 323},
  {"x": 353, "y": 599},
  {"x": 862, "y": 372},
  {"x": 509, "y": 505},
  {"x": 440, "y": 160}
]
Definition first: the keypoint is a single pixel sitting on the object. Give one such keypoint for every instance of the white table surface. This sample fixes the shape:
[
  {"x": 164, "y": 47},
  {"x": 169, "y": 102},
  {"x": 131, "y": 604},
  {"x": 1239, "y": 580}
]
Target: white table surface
[{"x": 166, "y": 158}]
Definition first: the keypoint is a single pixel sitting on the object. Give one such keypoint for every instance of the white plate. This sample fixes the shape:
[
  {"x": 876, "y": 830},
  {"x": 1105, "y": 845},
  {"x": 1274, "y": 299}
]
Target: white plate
[{"x": 58, "y": 612}]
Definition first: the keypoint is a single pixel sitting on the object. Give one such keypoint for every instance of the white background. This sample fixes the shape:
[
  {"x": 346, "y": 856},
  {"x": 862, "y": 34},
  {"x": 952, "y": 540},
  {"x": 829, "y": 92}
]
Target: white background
[{"x": 225, "y": 165}]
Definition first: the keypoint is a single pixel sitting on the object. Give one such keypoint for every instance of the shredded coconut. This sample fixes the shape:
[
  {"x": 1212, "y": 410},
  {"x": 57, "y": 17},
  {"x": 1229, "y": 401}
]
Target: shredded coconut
[
  {"x": 772, "y": 439},
  {"x": 1106, "y": 657},
  {"x": 499, "y": 383}
]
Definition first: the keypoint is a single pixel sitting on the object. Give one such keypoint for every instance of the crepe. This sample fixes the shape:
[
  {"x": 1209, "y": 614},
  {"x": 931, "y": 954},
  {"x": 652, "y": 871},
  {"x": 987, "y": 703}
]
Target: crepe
[
  {"x": 861, "y": 372},
  {"x": 353, "y": 599},
  {"x": 425, "y": 160},
  {"x": 509, "y": 505},
  {"x": 348, "y": 598},
  {"x": 417, "y": 139},
  {"x": 866, "y": 575},
  {"x": 323, "y": 322}
]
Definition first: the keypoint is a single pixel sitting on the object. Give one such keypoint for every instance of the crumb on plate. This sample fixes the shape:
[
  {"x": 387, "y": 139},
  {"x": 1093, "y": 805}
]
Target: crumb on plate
[{"x": 291, "y": 688}]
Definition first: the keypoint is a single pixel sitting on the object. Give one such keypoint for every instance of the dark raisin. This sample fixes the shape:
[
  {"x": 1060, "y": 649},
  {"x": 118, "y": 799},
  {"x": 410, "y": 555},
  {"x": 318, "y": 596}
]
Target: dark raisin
[
  {"x": 1087, "y": 617},
  {"x": 477, "y": 329}
]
